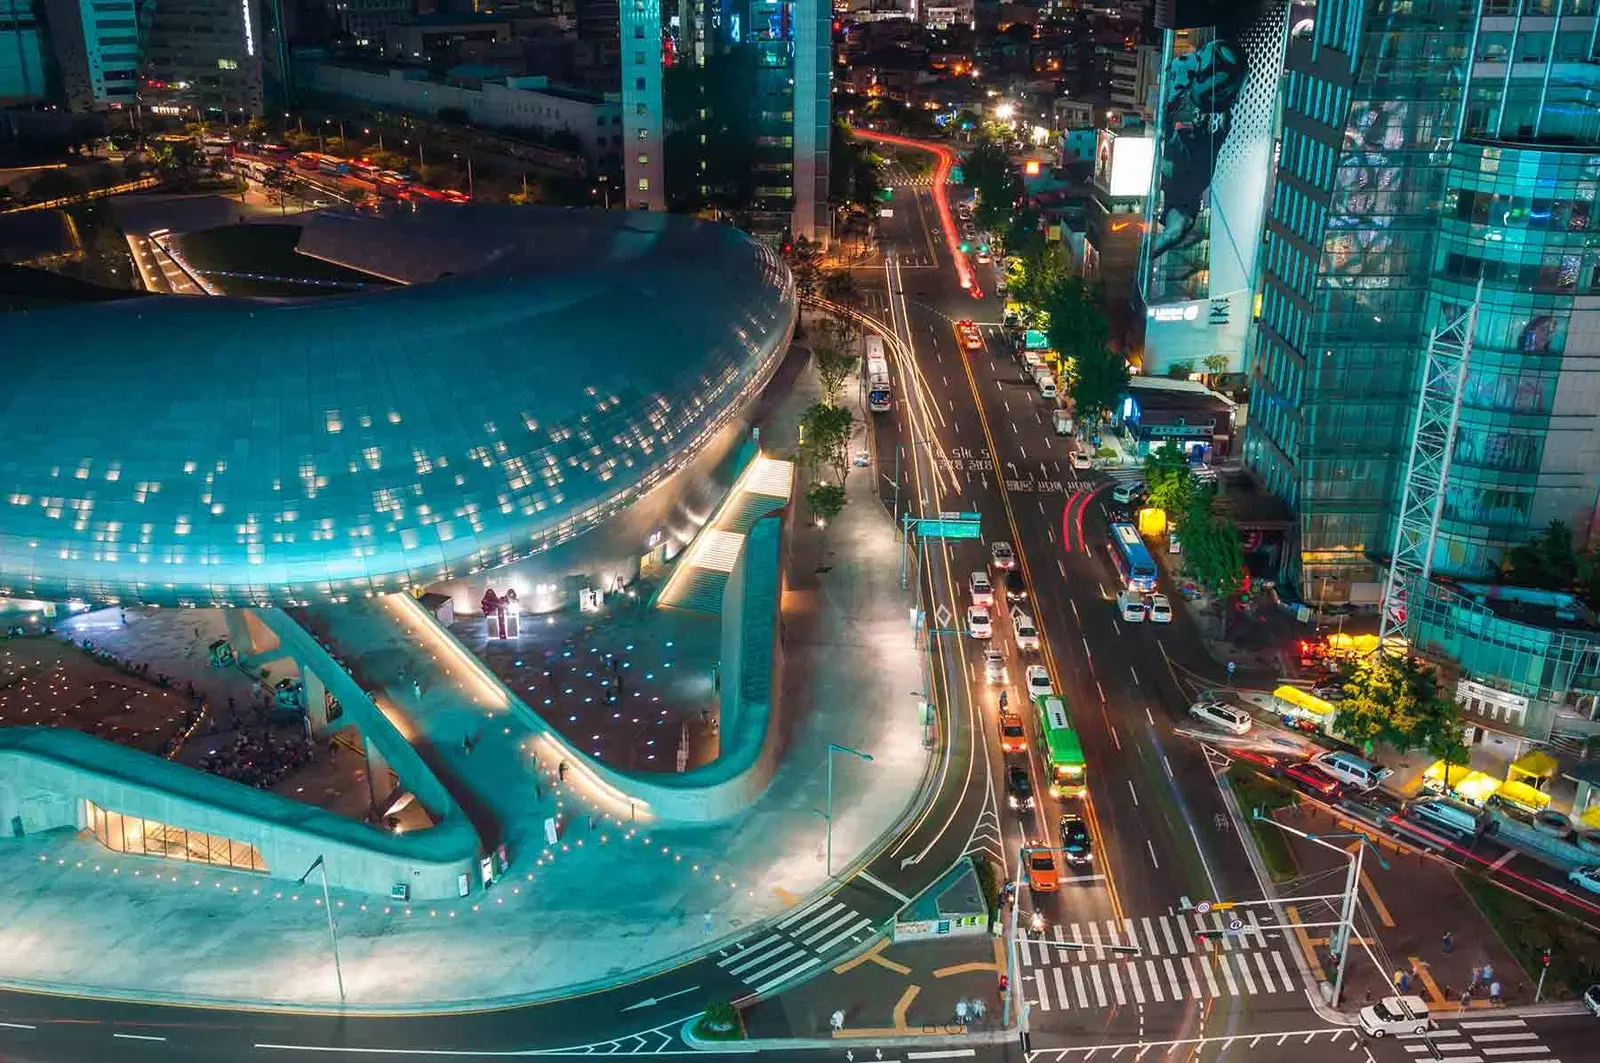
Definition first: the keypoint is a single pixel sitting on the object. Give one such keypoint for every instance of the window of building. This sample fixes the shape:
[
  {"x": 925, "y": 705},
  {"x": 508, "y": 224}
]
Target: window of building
[
  {"x": 638, "y": 83},
  {"x": 644, "y": 184},
  {"x": 644, "y": 160},
  {"x": 644, "y": 134},
  {"x": 146, "y": 837}
]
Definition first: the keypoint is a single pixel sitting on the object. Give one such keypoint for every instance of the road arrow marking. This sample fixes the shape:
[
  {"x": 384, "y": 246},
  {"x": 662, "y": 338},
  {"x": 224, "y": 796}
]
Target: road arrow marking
[{"x": 652, "y": 1001}]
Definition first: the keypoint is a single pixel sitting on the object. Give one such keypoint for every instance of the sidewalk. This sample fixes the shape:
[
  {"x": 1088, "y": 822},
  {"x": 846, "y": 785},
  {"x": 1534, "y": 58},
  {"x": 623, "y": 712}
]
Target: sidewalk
[
  {"x": 1405, "y": 911},
  {"x": 82, "y": 917}
]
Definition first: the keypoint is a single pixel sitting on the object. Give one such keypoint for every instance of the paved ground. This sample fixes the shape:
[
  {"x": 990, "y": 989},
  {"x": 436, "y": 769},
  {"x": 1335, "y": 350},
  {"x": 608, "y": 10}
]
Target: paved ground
[
  {"x": 568, "y": 668},
  {"x": 1406, "y": 909},
  {"x": 607, "y": 901}
]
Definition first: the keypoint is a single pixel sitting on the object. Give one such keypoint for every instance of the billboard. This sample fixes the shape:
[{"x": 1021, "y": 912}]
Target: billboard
[
  {"x": 1217, "y": 107},
  {"x": 1122, "y": 165}
]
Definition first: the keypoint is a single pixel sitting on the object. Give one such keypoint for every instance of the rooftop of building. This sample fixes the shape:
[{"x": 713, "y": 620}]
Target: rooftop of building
[
  {"x": 1170, "y": 393},
  {"x": 1554, "y": 610}
]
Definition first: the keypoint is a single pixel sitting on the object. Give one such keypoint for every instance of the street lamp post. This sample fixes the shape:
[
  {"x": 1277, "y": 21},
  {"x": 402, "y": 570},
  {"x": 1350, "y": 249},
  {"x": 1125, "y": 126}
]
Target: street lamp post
[
  {"x": 333, "y": 928},
  {"x": 832, "y": 749}
]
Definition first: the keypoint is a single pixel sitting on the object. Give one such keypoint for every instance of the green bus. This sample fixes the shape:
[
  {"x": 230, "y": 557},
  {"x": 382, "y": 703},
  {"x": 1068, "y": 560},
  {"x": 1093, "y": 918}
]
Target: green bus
[{"x": 1059, "y": 743}]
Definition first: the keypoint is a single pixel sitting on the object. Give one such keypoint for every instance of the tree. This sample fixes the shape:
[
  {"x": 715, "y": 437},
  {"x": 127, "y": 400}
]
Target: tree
[
  {"x": 1181, "y": 370},
  {"x": 1022, "y": 237},
  {"x": 833, "y": 365},
  {"x": 1215, "y": 364},
  {"x": 805, "y": 263},
  {"x": 1101, "y": 376},
  {"x": 1393, "y": 700},
  {"x": 1170, "y": 479},
  {"x": 987, "y": 169},
  {"x": 1548, "y": 561},
  {"x": 840, "y": 287},
  {"x": 825, "y": 435},
  {"x": 825, "y": 500},
  {"x": 57, "y": 184},
  {"x": 1213, "y": 552}
]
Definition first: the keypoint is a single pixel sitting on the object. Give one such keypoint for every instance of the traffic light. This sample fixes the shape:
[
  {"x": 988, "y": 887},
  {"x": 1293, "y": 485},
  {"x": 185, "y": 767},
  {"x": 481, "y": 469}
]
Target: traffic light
[
  {"x": 1544, "y": 958},
  {"x": 965, "y": 247}
]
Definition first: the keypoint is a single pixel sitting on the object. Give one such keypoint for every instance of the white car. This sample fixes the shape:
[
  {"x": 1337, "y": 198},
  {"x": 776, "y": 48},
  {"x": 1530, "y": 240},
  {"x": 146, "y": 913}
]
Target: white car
[
  {"x": 1397, "y": 1015},
  {"x": 1002, "y": 556},
  {"x": 981, "y": 589},
  {"x": 1230, "y": 719},
  {"x": 1080, "y": 460},
  {"x": 1130, "y": 606},
  {"x": 1586, "y": 878},
  {"x": 978, "y": 624},
  {"x": 1038, "y": 680},
  {"x": 1027, "y": 635},
  {"x": 1160, "y": 609},
  {"x": 994, "y": 666}
]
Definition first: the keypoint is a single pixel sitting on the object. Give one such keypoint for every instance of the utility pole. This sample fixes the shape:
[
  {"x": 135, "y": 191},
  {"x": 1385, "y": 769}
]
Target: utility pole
[
  {"x": 333, "y": 928},
  {"x": 832, "y": 749}
]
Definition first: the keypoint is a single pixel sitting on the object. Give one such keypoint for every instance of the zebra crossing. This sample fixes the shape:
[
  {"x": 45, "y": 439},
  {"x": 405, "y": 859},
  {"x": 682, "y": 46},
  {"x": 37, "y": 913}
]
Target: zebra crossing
[
  {"x": 1497, "y": 1040},
  {"x": 796, "y": 945},
  {"x": 1180, "y": 957}
]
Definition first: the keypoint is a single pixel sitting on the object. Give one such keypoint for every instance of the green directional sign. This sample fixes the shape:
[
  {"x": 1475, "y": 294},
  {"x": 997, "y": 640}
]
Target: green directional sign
[
  {"x": 948, "y": 526},
  {"x": 956, "y": 176},
  {"x": 885, "y": 194}
]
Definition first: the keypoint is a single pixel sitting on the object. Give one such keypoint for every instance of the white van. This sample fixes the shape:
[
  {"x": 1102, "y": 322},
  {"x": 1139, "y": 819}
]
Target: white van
[
  {"x": 1130, "y": 606},
  {"x": 1061, "y": 420},
  {"x": 1047, "y": 388},
  {"x": 1127, "y": 491},
  {"x": 1441, "y": 813},
  {"x": 1352, "y": 770},
  {"x": 1397, "y": 1015}
]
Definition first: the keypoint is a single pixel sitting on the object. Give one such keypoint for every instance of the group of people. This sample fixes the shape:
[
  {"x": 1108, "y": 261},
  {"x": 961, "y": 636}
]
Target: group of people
[{"x": 258, "y": 759}]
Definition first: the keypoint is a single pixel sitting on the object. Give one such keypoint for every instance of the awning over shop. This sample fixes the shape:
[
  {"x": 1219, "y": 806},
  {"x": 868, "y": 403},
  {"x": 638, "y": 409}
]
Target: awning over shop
[
  {"x": 1467, "y": 784},
  {"x": 1591, "y": 817},
  {"x": 1296, "y": 701},
  {"x": 1534, "y": 764},
  {"x": 1343, "y": 645}
]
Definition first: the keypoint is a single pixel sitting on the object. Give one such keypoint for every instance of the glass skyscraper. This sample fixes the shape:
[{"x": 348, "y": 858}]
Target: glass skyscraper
[{"x": 1427, "y": 146}]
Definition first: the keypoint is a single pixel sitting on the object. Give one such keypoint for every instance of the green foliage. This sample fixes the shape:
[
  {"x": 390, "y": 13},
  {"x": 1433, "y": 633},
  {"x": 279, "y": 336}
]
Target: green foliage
[
  {"x": 1038, "y": 273},
  {"x": 57, "y": 184},
  {"x": 1102, "y": 377},
  {"x": 1528, "y": 929},
  {"x": 805, "y": 263},
  {"x": 825, "y": 438},
  {"x": 825, "y": 500},
  {"x": 833, "y": 365},
  {"x": 720, "y": 1022},
  {"x": 1548, "y": 561},
  {"x": 1022, "y": 237},
  {"x": 987, "y": 169},
  {"x": 1181, "y": 370},
  {"x": 1392, "y": 700},
  {"x": 1215, "y": 363},
  {"x": 1213, "y": 553},
  {"x": 1169, "y": 479},
  {"x": 853, "y": 170},
  {"x": 840, "y": 287}
]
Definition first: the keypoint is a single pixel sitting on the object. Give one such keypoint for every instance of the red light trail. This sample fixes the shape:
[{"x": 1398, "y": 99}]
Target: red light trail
[{"x": 946, "y": 160}]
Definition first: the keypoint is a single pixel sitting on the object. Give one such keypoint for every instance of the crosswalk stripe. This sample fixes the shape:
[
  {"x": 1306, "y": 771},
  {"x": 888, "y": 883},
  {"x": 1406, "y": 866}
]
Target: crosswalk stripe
[
  {"x": 1077, "y": 935},
  {"x": 807, "y": 910},
  {"x": 1094, "y": 936},
  {"x": 1211, "y": 978},
  {"x": 1044, "y": 994},
  {"x": 1283, "y": 972},
  {"x": 1489, "y": 1038},
  {"x": 764, "y": 965},
  {"x": 1255, "y": 928},
  {"x": 1194, "y": 983},
  {"x": 759, "y": 947},
  {"x": 1114, "y": 933},
  {"x": 1061, "y": 987},
  {"x": 1488, "y": 1024},
  {"x": 1155, "y": 980},
  {"x": 1099, "y": 987},
  {"x": 1517, "y": 1050},
  {"x": 1062, "y": 955},
  {"x": 836, "y": 906},
  {"x": 865, "y": 924},
  {"x": 1133, "y": 982},
  {"x": 830, "y": 928},
  {"x": 1223, "y": 935},
  {"x": 1133, "y": 933},
  {"x": 1077, "y": 983},
  {"x": 1244, "y": 971},
  {"x": 1150, "y": 936},
  {"x": 1166, "y": 931},
  {"x": 1266, "y": 976},
  {"x": 1116, "y": 984},
  {"x": 786, "y": 975},
  {"x": 1025, "y": 950}
]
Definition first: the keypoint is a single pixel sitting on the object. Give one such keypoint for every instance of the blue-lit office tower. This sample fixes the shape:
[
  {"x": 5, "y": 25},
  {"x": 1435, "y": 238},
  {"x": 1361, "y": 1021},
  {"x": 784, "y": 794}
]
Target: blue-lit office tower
[
  {"x": 726, "y": 110},
  {"x": 22, "y": 53},
  {"x": 1427, "y": 146}
]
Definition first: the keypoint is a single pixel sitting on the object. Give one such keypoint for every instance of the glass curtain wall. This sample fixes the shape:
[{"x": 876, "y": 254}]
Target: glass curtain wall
[{"x": 146, "y": 837}]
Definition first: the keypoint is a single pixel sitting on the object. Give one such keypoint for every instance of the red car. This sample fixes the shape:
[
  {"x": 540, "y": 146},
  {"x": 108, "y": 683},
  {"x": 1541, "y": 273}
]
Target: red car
[
  {"x": 970, "y": 338},
  {"x": 1313, "y": 780}
]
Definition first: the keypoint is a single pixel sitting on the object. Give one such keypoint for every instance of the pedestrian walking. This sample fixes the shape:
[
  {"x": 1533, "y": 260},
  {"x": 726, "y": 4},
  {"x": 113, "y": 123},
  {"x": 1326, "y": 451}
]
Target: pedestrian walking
[
  {"x": 561, "y": 770},
  {"x": 1488, "y": 972},
  {"x": 1466, "y": 999},
  {"x": 1367, "y": 997},
  {"x": 836, "y": 1020},
  {"x": 466, "y": 743},
  {"x": 961, "y": 1012},
  {"x": 1494, "y": 994},
  {"x": 978, "y": 1008},
  {"x": 416, "y": 688},
  {"x": 1477, "y": 976},
  {"x": 1447, "y": 942}
]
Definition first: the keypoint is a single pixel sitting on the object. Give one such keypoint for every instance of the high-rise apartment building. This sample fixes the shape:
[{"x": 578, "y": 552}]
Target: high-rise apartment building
[
  {"x": 204, "y": 56},
  {"x": 1428, "y": 147},
  {"x": 726, "y": 110}
]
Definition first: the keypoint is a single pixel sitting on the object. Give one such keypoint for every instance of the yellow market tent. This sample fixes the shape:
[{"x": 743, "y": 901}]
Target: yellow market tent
[
  {"x": 1523, "y": 796},
  {"x": 1303, "y": 708},
  {"x": 1343, "y": 645},
  {"x": 1472, "y": 786},
  {"x": 1534, "y": 764},
  {"x": 1591, "y": 817}
]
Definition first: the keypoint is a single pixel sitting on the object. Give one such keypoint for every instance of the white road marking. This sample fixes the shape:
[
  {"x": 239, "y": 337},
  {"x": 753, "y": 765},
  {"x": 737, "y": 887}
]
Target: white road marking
[
  {"x": 1116, "y": 741},
  {"x": 137, "y": 1037},
  {"x": 1135, "y": 676},
  {"x": 1134, "y": 792},
  {"x": 1152, "y": 849}
]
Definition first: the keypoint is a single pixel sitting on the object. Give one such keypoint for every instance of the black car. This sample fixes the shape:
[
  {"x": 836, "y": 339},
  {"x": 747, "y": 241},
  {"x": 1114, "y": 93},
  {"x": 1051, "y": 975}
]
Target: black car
[
  {"x": 1075, "y": 843},
  {"x": 1019, "y": 788},
  {"x": 1016, "y": 586}
]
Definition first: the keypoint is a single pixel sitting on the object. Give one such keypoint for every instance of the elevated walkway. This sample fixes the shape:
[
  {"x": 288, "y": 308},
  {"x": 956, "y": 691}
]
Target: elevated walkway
[{"x": 700, "y": 579}]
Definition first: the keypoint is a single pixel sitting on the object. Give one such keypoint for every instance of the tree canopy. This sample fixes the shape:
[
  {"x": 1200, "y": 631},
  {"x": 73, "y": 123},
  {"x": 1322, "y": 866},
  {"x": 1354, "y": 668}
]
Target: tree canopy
[
  {"x": 1395, "y": 701},
  {"x": 1169, "y": 479},
  {"x": 1213, "y": 552}
]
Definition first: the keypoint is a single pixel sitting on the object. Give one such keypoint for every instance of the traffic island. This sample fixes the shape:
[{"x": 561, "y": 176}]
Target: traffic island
[{"x": 1550, "y": 946}]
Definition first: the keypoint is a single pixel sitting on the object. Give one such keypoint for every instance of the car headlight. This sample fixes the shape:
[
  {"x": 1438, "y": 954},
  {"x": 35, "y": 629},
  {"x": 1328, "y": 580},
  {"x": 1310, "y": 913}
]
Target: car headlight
[{"x": 1012, "y": 800}]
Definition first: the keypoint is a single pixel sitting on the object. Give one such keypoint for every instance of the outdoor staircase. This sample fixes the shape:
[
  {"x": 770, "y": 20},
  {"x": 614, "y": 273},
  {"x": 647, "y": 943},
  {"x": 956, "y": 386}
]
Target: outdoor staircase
[{"x": 701, "y": 575}]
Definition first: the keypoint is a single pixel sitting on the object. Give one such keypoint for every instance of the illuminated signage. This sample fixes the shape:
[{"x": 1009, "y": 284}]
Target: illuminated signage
[
  {"x": 1181, "y": 312},
  {"x": 249, "y": 32}
]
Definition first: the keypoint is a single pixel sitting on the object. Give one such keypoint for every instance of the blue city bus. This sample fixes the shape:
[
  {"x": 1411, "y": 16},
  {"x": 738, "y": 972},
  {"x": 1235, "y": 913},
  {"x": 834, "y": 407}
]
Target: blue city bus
[{"x": 1133, "y": 560}]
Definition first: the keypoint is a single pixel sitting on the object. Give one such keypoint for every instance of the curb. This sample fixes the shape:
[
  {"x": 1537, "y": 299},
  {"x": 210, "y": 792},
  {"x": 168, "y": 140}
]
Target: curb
[{"x": 1002, "y": 1035}]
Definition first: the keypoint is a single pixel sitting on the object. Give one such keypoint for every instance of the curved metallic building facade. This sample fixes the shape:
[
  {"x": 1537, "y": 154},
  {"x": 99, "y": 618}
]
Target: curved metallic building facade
[{"x": 555, "y": 367}]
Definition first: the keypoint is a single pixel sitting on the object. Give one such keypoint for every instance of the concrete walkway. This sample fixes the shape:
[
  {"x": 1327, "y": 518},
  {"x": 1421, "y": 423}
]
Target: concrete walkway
[{"x": 605, "y": 904}]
